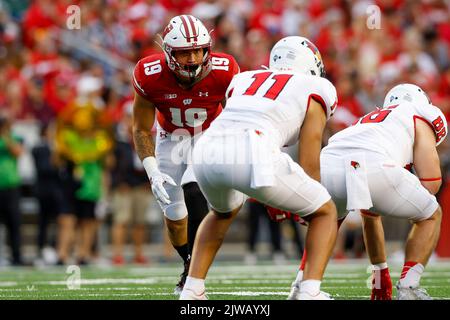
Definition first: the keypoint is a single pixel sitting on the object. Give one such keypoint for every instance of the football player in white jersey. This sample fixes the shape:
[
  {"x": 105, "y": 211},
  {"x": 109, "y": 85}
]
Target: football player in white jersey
[
  {"x": 366, "y": 165},
  {"x": 240, "y": 157}
]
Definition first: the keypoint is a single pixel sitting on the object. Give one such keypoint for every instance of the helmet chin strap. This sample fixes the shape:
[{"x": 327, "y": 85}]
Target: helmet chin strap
[
  {"x": 194, "y": 80},
  {"x": 188, "y": 77},
  {"x": 188, "y": 73}
]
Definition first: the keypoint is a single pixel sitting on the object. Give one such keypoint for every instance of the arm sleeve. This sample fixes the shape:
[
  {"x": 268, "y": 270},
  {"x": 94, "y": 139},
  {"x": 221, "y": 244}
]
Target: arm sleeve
[
  {"x": 137, "y": 80},
  {"x": 434, "y": 116},
  {"x": 234, "y": 70},
  {"x": 324, "y": 92}
]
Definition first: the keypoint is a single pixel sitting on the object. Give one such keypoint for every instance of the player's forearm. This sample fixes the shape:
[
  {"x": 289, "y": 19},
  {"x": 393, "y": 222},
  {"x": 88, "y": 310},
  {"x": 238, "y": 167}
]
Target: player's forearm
[
  {"x": 432, "y": 185},
  {"x": 313, "y": 170},
  {"x": 144, "y": 144},
  {"x": 310, "y": 142},
  {"x": 309, "y": 159}
]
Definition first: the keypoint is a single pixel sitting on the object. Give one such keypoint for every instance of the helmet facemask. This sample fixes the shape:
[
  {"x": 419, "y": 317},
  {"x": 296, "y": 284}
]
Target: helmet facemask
[{"x": 190, "y": 72}]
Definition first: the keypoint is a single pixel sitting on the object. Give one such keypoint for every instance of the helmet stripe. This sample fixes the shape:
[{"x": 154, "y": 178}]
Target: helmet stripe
[
  {"x": 194, "y": 32},
  {"x": 186, "y": 28}
]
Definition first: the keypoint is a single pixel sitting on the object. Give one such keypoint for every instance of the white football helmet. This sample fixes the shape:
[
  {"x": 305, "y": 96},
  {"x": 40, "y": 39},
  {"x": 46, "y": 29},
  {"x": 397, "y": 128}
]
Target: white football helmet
[
  {"x": 297, "y": 54},
  {"x": 406, "y": 92},
  {"x": 186, "y": 32}
]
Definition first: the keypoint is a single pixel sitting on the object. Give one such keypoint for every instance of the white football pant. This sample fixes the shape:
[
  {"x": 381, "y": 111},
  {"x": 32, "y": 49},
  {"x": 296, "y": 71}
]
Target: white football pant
[
  {"x": 232, "y": 166},
  {"x": 390, "y": 189}
]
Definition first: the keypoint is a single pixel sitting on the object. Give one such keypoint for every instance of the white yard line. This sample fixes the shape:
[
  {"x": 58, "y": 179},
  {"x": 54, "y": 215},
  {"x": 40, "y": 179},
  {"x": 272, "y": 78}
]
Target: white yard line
[{"x": 8, "y": 284}]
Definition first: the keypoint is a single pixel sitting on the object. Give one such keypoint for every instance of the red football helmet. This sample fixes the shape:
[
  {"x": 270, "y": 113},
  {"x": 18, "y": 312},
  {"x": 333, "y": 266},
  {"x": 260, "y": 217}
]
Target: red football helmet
[{"x": 186, "y": 32}]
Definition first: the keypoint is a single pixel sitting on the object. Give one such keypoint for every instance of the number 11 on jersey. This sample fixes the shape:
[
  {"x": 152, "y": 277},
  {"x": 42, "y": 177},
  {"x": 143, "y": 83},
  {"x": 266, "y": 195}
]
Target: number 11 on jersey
[{"x": 274, "y": 91}]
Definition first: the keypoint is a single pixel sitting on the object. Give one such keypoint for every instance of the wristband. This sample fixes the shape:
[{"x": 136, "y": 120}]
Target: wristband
[{"x": 150, "y": 166}]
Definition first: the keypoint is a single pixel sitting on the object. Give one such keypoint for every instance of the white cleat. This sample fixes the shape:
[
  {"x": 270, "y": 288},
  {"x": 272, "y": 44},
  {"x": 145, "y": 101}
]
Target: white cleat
[
  {"x": 319, "y": 296},
  {"x": 411, "y": 293},
  {"x": 295, "y": 291},
  {"x": 188, "y": 294}
]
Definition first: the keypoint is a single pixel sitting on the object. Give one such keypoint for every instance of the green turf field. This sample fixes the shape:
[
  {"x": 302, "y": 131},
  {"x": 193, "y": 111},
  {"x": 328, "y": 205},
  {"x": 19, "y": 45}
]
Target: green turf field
[{"x": 227, "y": 281}]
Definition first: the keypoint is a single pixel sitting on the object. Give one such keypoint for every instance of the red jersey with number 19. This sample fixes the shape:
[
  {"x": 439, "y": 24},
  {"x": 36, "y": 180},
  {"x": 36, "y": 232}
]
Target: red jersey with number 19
[{"x": 179, "y": 108}]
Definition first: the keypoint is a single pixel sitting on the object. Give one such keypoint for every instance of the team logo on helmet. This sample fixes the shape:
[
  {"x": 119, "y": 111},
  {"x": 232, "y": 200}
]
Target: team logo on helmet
[
  {"x": 317, "y": 55},
  {"x": 189, "y": 31},
  {"x": 313, "y": 48},
  {"x": 167, "y": 30}
]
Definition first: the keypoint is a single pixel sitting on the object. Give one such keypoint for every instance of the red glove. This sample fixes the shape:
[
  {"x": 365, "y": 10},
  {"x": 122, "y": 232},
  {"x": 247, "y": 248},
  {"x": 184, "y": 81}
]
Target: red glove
[
  {"x": 279, "y": 215},
  {"x": 381, "y": 285}
]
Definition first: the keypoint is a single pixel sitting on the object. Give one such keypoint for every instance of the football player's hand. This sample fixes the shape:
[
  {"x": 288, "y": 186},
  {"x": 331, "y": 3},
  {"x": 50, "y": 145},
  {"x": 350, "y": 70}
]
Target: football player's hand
[
  {"x": 381, "y": 287},
  {"x": 158, "y": 180},
  {"x": 279, "y": 215}
]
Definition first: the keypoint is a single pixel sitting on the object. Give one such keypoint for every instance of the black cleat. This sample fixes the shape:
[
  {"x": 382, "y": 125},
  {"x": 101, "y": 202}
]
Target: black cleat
[{"x": 180, "y": 285}]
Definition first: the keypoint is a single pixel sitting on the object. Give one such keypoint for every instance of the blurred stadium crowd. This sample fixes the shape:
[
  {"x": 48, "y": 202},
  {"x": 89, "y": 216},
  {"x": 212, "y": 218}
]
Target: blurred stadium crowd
[{"x": 65, "y": 94}]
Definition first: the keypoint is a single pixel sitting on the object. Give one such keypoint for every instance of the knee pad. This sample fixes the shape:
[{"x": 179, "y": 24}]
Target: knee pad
[
  {"x": 175, "y": 211},
  {"x": 196, "y": 204}
]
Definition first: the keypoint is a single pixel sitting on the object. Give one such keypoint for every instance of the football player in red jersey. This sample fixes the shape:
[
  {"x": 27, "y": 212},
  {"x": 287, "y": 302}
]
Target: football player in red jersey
[{"x": 184, "y": 89}]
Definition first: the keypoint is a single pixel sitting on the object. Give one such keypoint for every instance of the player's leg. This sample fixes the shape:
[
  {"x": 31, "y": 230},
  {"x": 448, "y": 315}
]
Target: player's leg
[
  {"x": 296, "y": 192},
  {"x": 197, "y": 208},
  {"x": 175, "y": 218},
  {"x": 423, "y": 238},
  {"x": 421, "y": 242},
  {"x": 304, "y": 256},
  {"x": 375, "y": 246},
  {"x": 196, "y": 204},
  {"x": 318, "y": 246},
  {"x": 398, "y": 193},
  {"x": 373, "y": 237},
  {"x": 209, "y": 239},
  {"x": 333, "y": 178},
  {"x": 177, "y": 234},
  {"x": 175, "y": 213},
  {"x": 225, "y": 203},
  {"x": 177, "y": 231}
]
